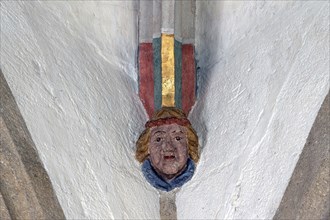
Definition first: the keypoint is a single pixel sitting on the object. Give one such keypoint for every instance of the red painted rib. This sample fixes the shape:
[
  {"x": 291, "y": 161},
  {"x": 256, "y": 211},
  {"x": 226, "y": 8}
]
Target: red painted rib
[
  {"x": 188, "y": 77},
  {"x": 146, "y": 77}
]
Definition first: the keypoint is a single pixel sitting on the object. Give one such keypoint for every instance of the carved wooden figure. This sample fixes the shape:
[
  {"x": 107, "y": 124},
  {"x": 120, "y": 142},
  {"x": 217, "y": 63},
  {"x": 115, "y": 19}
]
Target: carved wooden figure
[{"x": 168, "y": 149}]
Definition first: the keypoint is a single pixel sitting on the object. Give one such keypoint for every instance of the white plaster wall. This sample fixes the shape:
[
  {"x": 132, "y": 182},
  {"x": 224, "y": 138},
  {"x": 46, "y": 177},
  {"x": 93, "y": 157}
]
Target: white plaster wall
[
  {"x": 265, "y": 73},
  {"x": 71, "y": 68}
]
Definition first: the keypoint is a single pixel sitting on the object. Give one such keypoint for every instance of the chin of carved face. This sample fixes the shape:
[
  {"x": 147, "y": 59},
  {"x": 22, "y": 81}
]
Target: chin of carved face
[{"x": 168, "y": 149}]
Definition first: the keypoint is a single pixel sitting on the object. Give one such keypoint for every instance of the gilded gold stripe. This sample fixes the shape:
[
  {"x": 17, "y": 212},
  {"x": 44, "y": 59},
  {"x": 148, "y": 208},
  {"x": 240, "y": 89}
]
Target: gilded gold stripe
[{"x": 168, "y": 67}]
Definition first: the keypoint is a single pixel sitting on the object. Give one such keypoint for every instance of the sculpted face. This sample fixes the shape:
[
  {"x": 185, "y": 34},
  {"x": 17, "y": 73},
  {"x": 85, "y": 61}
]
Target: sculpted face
[{"x": 168, "y": 150}]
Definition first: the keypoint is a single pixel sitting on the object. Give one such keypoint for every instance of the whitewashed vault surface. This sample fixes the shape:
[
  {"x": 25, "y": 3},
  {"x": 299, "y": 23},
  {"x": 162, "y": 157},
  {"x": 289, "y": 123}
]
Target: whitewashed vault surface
[
  {"x": 264, "y": 70},
  {"x": 71, "y": 67}
]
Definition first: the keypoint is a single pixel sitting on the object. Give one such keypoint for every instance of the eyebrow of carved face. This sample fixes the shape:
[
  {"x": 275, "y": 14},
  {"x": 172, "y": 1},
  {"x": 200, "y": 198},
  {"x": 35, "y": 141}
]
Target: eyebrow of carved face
[
  {"x": 178, "y": 131},
  {"x": 159, "y": 132},
  {"x": 168, "y": 129}
]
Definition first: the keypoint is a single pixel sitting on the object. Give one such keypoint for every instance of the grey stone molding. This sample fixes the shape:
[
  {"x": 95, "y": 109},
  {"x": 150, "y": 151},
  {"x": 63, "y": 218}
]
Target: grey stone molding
[
  {"x": 167, "y": 205},
  {"x": 25, "y": 188},
  {"x": 308, "y": 195}
]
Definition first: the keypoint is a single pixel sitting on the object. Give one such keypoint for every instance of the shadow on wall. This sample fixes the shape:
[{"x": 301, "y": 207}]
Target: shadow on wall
[{"x": 207, "y": 49}]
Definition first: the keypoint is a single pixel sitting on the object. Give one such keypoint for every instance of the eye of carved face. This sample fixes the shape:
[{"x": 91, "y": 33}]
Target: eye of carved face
[{"x": 168, "y": 150}]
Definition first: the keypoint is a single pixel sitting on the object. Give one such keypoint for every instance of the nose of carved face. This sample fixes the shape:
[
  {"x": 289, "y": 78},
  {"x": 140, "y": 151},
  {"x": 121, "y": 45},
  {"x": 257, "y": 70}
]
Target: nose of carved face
[{"x": 169, "y": 152}]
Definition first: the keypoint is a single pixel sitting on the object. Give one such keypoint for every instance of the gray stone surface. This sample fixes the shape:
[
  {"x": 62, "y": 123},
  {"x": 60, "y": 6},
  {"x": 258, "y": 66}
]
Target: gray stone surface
[
  {"x": 25, "y": 188},
  {"x": 307, "y": 195},
  {"x": 4, "y": 213},
  {"x": 167, "y": 205}
]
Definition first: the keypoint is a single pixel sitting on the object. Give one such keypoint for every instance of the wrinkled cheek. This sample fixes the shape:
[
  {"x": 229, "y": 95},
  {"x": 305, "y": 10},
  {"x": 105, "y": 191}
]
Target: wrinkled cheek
[
  {"x": 155, "y": 156},
  {"x": 181, "y": 160},
  {"x": 182, "y": 155}
]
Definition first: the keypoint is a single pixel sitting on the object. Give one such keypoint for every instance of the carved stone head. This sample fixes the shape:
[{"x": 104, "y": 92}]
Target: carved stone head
[{"x": 168, "y": 144}]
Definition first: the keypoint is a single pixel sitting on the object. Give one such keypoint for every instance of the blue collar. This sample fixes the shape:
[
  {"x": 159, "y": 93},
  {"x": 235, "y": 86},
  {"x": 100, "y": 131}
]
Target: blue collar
[{"x": 158, "y": 182}]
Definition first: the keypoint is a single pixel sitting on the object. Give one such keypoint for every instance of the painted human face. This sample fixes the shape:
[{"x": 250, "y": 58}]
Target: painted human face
[{"x": 168, "y": 150}]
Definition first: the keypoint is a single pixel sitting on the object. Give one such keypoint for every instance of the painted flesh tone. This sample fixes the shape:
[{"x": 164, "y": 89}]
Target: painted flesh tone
[{"x": 168, "y": 150}]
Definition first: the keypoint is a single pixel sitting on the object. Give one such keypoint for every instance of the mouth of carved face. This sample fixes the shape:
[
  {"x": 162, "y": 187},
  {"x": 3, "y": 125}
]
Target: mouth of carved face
[{"x": 169, "y": 157}]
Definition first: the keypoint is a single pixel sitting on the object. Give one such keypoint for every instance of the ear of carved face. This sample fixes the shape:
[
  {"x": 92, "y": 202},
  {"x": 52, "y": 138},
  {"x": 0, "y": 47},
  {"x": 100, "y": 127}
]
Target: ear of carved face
[{"x": 168, "y": 150}]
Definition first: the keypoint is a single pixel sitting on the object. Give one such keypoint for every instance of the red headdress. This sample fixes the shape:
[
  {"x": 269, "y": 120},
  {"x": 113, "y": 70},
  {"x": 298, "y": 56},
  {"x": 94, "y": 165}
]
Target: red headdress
[{"x": 167, "y": 121}]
